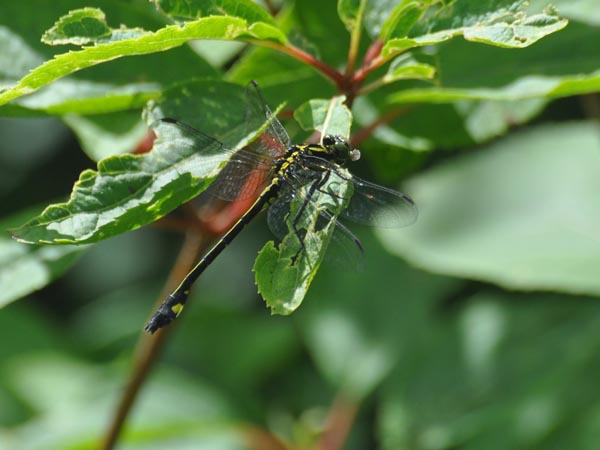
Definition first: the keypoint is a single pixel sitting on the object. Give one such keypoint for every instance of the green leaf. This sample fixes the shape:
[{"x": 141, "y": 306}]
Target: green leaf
[
  {"x": 69, "y": 96},
  {"x": 406, "y": 67},
  {"x": 121, "y": 84},
  {"x": 184, "y": 10},
  {"x": 129, "y": 191},
  {"x": 522, "y": 214},
  {"x": 25, "y": 269},
  {"x": 561, "y": 65},
  {"x": 101, "y": 136},
  {"x": 501, "y": 23},
  {"x": 485, "y": 376},
  {"x": 316, "y": 20},
  {"x": 585, "y": 11},
  {"x": 348, "y": 10},
  {"x": 427, "y": 127},
  {"x": 121, "y": 44},
  {"x": 326, "y": 116},
  {"x": 16, "y": 57},
  {"x": 178, "y": 408},
  {"x": 83, "y": 26},
  {"x": 285, "y": 272},
  {"x": 525, "y": 88},
  {"x": 401, "y": 19}
]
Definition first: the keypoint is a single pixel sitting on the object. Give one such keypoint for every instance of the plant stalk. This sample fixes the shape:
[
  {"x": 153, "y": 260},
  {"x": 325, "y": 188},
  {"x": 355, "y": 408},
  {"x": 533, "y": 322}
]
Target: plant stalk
[
  {"x": 149, "y": 346},
  {"x": 339, "y": 423},
  {"x": 299, "y": 54}
]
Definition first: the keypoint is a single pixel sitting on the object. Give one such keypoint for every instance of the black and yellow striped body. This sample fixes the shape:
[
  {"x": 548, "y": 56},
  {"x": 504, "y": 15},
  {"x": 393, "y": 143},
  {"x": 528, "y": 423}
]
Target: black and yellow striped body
[{"x": 281, "y": 170}]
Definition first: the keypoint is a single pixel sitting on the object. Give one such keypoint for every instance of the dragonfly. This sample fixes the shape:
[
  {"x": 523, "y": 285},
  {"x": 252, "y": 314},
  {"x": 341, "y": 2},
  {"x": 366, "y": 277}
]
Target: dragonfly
[{"x": 295, "y": 183}]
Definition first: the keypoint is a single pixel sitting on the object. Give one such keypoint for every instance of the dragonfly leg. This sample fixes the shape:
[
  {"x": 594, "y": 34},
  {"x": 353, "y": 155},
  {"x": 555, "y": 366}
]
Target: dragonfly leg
[{"x": 315, "y": 186}]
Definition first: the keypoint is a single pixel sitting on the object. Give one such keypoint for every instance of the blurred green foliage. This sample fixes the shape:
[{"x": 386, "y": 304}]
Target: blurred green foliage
[{"x": 476, "y": 328}]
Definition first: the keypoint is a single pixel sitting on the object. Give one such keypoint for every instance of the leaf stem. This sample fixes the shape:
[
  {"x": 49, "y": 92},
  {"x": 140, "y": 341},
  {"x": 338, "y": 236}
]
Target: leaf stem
[
  {"x": 149, "y": 346},
  {"x": 370, "y": 87},
  {"x": 271, "y": 7},
  {"x": 299, "y": 54},
  {"x": 355, "y": 41},
  {"x": 371, "y": 61},
  {"x": 339, "y": 424},
  {"x": 260, "y": 439}
]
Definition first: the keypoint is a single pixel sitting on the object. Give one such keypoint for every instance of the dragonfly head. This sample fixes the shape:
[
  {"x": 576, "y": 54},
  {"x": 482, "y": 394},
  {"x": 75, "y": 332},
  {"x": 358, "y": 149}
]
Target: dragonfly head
[{"x": 339, "y": 150}]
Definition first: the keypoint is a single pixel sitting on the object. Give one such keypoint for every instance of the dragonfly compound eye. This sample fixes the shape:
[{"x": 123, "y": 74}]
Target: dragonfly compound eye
[{"x": 328, "y": 140}]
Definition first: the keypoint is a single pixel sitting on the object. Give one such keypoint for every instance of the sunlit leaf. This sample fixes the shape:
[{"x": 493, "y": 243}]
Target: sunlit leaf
[
  {"x": 326, "y": 116},
  {"x": 129, "y": 191},
  {"x": 129, "y": 42},
  {"x": 105, "y": 135},
  {"x": 406, "y": 67},
  {"x": 184, "y": 10},
  {"x": 349, "y": 11},
  {"x": 501, "y": 23},
  {"x": 85, "y": 26},
  {"x": 25, "y": 269},
  {"x": 284, "y": 272},
  {"x": 522, "y": 213}
]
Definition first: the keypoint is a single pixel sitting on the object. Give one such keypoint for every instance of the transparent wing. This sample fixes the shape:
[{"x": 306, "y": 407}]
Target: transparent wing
[
  {"x": 370, "y": 203},
  {"x": 379, "y": 206},
  {"x": 274, "y": 141},
  {"x": 245, "y": 173},
  {"x": 344, "y": 249}
]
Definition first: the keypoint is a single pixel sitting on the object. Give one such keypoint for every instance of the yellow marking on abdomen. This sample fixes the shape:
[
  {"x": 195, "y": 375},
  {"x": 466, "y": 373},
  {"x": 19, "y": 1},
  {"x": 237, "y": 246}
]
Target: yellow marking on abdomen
[{"x": 177, "y": 308}]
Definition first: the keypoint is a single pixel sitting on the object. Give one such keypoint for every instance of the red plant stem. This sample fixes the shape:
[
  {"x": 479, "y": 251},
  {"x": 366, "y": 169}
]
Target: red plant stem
[
  {"x": 338, "y": 425},
  {"x": 372, "y": 52},
  {"x": 259, "y": 439},
  {"x": 145, "y": 144},
  {"x": 295, "y": 52},
  {"x": 371, "y": 61},
  {"x": 149, "y": 346},
  {"x": 271, "y": 7}
]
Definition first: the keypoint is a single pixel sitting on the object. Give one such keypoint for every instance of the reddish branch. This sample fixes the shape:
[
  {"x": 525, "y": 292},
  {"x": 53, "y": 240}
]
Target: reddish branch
[
  {"x": 371, "y": 61},
  {"x": 299, "y": 54},
  {"x": 338, "y": 425},
  {"x": 271, "y": 7},
  {"x": 259, "y": 439},
  {"x": 149, "y": 346}
]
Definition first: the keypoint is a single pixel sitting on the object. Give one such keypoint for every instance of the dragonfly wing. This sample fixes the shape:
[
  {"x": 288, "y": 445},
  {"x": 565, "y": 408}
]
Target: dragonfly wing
[
  {"x": 293, "y": 209},
  {"x": 379, "y": 206},
  {"x": 244, "y": 173},
  {"x": 274, "y": 141},
  {"x": 240, "y": 179},
  {"x": 370, "y": 203}
]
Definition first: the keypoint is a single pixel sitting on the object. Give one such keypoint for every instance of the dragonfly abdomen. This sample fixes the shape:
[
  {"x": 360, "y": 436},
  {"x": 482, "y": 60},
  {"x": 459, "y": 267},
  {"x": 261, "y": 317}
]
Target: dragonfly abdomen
[{"x": 173, "y": 305}]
